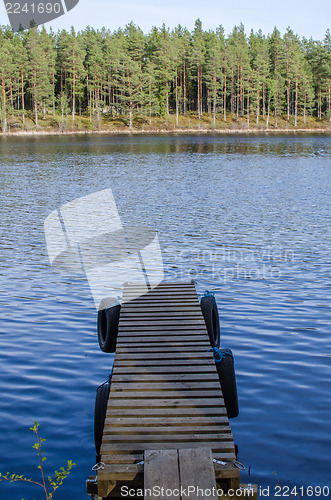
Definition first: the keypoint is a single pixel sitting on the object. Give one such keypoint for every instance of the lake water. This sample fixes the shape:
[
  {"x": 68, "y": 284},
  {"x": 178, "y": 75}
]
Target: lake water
[{"x": 247, "y": 217}]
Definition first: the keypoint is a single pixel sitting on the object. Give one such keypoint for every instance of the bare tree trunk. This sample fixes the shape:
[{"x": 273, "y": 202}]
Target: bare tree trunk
[
  {"x": 288, "y": 99},
  {"x": 304, "y": 110},
  {"x": 276, "y": 109},
  {"x": 4, "y": 104},
  {"x": 258, "y": 107},
  {"x": 130, "y": 116},
  {"x": 296, "y": 104},
  {"x": 35, "y": 98},
  {"x": 198, "y": 104},
  {"x": 167, "y": 102},
  {"x": 177, "y": 104},
  {"x": 184, "y": 89},
  {"x": 224, "y": 110},
  {"x": 22, "y": 96},
  {"x": 214, "y": 104}
]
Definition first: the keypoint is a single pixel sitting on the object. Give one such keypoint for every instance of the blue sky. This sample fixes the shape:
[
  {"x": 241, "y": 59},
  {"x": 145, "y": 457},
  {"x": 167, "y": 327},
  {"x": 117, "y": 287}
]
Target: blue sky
[{"x": 306, "y": 17}]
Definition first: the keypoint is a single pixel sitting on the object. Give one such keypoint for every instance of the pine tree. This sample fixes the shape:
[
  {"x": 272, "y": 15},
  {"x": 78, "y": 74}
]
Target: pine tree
[
  {"x": 198, "y": 61},
  {"x": 21, "y": 74},
  {"x": 213, "y": 69},
  {"x": 276, "y": 80},
  {"x": 72, "y": 55},
  {"x": 6, "y": 70},
  {"x": 260, "y": 65},
  {"x": 327, "y": 72}
]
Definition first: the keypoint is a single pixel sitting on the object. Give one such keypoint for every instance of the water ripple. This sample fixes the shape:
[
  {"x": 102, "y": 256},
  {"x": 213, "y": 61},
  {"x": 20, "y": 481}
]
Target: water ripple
[{"x": 246, "y": 217}]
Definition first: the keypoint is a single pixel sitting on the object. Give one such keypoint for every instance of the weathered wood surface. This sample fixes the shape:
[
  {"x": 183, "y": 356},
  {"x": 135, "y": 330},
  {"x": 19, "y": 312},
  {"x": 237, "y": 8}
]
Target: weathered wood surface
[
  {"x": 179, "y": 474},
  {"x": 197, "y": 471},
  {"x": 165, "y": 393},
  {"x": 161, "y": 469}
]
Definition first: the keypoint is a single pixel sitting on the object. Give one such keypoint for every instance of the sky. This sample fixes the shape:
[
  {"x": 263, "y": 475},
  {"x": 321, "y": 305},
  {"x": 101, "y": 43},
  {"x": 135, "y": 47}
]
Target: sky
[{"x": 306, "y": 17}]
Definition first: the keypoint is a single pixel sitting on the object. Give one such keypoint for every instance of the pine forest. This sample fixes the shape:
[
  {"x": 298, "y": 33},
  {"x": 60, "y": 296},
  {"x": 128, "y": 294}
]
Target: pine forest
[{"x": 92, "y": 79}]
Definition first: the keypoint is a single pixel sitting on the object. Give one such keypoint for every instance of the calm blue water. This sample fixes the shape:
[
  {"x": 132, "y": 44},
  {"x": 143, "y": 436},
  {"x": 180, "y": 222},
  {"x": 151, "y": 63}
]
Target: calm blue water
[{"x": 246, "y": 217}]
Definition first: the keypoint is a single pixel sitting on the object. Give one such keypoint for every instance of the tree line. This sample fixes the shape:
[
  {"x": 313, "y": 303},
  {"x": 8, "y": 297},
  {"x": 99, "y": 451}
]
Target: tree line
[{"x": 165, "y": 72}]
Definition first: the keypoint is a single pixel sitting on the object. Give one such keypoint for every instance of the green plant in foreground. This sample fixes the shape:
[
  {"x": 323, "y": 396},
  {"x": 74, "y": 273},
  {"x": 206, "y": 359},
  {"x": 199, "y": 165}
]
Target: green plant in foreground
[{"x": 51, "y": 484}]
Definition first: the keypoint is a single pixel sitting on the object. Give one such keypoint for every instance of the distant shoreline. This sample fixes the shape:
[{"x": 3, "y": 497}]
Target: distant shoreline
[{"x": 180, "y": 131}]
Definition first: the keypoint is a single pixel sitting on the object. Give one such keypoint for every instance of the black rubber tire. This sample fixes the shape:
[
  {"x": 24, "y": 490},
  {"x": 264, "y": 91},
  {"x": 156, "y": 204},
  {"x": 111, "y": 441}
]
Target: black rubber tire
[
  {"x": 210, "y": 313},
  {"x": 108, "y": 320},
  {"x": 100, "y": 409},
  {"x": 227, "y": 377}
]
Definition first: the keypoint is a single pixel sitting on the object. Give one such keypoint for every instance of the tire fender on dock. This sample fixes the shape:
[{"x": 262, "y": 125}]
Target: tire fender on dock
[
  {"x": 100, "y": 410},
  {"x": 210, "y": 313},
  {"x": 108, "y": 320},
  {"x": 227, "y": 377}
]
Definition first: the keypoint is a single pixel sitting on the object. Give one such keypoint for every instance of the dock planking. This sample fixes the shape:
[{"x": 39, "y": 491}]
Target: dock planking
[{"x": 165, "y": 399}]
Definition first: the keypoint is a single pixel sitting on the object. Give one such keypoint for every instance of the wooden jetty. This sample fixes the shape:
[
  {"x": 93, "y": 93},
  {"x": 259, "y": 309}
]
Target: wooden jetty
[{"x": 166, "y": 422}]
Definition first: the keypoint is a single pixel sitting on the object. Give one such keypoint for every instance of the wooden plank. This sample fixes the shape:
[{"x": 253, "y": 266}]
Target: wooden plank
[
  {"x": 164, "y": 438},
  {"x": 165, "y": 321},
  {"x": 188, "y": 429},
  {"x": 173, "y": 412},
  {"x": 196, "y": 469},
  {"x": 131, "y": 308},
  {"x": 174, "y": 356},
  {"x": 165, "y": 304},
  {"x": 225, "y": 456},
  {"x": 124, "y": 458},
  {"x": 172, "y": 298},
  {"x": 173, "y": 386},
  {"x": 149, "y": 363},
  {"x": 109, "y": 448},
  {"x": 195, "y": 348},
  {"x": 162, "y": 430},
  {"x": 128, "y": 457},
  {"x": 170, "y": 333},
  {"x": 120, "y": 472},
  {"x": 169, "y": 420},
  {"x": 161, "y": 469},
  {"x": 161, "y": 286},
  {"x": 163, "y": 342},
  {"x": 137, "y": 343},
  {"x": 155, "y": 313},
  {"x": 164, "y": 369},
  {"x": 164, "y": 411},
  {"x": 187, "y": 340},
  {"x": 185, "y": 293},
  {"x": 162, "y": 328},
  {"x": 165, "y": 394},
  {"x": 160, "y": 403},
  {"x": 164, "y": 339},
  {"x": 154, "y": 378}
]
